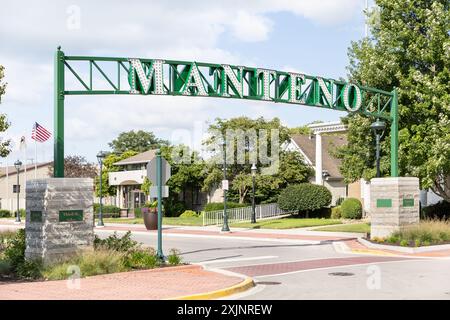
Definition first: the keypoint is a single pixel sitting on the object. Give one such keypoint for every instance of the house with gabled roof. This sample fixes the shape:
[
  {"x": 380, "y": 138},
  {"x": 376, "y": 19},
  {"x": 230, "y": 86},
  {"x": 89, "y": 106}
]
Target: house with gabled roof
[{"x": 317, "y": 150}]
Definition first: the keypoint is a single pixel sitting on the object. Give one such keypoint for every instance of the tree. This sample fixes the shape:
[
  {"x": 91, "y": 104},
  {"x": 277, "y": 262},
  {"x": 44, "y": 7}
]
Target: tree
[
  {"x": 187, "y": 174},
  {"x": 77, "y": 167},
  {"x": 291, "y": 166},
  {"x": 409, "y": 49},
  {"x": 139, "y": 141},
  {"x": 5, "y": 145}
]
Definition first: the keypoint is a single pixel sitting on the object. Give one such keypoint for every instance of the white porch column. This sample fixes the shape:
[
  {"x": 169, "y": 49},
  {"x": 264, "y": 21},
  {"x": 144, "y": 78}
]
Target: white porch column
[{"x": 318, "y": 159}]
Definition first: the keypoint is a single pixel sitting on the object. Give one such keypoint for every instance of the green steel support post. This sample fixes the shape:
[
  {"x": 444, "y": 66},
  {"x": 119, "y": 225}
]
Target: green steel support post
[
  {"x": 394, "y": 134},
  {"x": 58, "y": 152},
  {"x": 159, "y": 186}
]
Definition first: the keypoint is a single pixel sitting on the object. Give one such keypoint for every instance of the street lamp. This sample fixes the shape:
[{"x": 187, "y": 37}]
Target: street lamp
[
  {"x": 225, "y": 227},
  {"x": 378, "y": 128},
  {"x": 100, "y": 156},
  {"x": 18, "y": 164},
  {"x": 253, "y": 169}
]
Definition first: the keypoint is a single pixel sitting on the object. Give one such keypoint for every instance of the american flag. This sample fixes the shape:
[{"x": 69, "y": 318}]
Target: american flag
[{"x": 39, "y": 133}]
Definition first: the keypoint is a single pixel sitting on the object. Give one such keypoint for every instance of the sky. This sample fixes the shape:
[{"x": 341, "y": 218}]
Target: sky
[{"x": 306, "y": 36}]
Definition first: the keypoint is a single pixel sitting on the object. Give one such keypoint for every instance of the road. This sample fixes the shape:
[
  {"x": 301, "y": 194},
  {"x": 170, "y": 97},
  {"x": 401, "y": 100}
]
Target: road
[{"x": 291, "y": 269}]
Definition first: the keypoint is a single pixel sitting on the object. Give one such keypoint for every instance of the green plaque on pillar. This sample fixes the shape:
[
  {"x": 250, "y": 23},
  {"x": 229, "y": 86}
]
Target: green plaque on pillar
[
  {"x": 70, "y": 215},
  {"x": 35, "y": 216},
  {"x": 384, "y": 203},
  {"x": 408, "y": 202}
]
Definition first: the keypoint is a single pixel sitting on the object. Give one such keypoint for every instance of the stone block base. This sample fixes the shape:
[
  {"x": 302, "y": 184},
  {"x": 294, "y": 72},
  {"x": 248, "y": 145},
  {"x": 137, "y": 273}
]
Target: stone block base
[
  {"x": 394, "y": 204},
  {"x": 59, "y": 218}
]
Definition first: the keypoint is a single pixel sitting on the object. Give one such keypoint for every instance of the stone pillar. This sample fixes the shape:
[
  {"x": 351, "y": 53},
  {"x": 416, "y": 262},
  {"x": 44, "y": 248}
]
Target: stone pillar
[
  {"x": 59, "y": 219},
  {"x": 318, "y": 159},
  {"x": 394, "y": 204}
]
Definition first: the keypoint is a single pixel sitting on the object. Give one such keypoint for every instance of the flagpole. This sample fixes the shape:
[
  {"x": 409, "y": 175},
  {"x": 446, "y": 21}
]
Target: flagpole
[
  {"x": 35, "y": 159},
  {"x": 7, "y": 185},
  {"x": 25, "y": 162}
]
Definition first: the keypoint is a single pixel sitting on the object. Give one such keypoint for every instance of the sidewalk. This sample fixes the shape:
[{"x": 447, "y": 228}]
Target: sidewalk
[
  {"x": 155, "y": 284},
  {"x": 267, "y": 234}
]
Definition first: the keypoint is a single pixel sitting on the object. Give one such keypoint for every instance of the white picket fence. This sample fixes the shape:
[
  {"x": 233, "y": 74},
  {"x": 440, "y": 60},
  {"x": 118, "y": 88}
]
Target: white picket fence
[{"x": 244, "y": 214}]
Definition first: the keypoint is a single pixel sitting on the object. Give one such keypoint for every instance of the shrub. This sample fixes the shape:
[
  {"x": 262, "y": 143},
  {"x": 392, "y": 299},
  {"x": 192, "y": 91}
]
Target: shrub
[
  {"x": 320, "y": 213},
  {"x": 189, "y": 213},
  {"x": 5, "y": 237},
  {"x": 214, "y": 206},
  {"x": 174, "y": 257},
  {"x": 404, "y": 243},
  {"x": 137, "y": 213},
  {"x": 15, "y": 249},
  {"x": 351, "y": 208},
  {"x": 336, "y": 212},
  {"x": 5, "y": 267},
  {"x": 173, "y": 208},
  {"x": 115, "y": 243},
  {"x": 440, "y": 210},
  {"x": 108, "y": 211},
  {"x": 5, "y": 213},
  {"x": 142, "y": 259},
  {"x": 14, "y": 254},
  {"x": 304, "y": 197}
]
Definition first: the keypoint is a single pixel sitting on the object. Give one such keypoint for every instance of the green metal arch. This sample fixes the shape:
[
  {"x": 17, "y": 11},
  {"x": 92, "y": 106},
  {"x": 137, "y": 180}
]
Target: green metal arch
[{"x": 184, "y": 78}]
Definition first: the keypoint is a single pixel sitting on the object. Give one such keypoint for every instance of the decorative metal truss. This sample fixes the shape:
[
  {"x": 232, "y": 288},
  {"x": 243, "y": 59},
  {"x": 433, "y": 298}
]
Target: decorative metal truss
[{"x": 84, "y": 75}]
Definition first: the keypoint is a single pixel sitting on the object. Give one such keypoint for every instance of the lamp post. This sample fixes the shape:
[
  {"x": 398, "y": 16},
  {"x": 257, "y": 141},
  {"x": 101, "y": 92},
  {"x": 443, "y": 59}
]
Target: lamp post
[
  {"x": 253, "y": 169},
  {"x": 225, "y": 227},
  {"x": 378, "y": 128},
  {"x": 18, "y": 164},
  {"x": 100, "y": 156}
]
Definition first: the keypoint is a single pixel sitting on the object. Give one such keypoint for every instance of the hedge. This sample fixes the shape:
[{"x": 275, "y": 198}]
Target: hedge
[
  {"x": 440, "y": 210},
  {"x": 351, "y": 208},
  {"x": 304, "y": 197},
  {"x": 213, "y": 206},
  {"x": 108, "y": 211},
  {"x": 5, "y": 213}
]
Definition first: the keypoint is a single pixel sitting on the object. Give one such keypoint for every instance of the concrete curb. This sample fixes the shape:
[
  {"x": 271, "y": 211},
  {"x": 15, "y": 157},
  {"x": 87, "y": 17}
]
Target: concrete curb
[
  {"x": 342, "y": 247},
  {"x": 240, "y": 287},
  {"x": 404, "y": 249}
]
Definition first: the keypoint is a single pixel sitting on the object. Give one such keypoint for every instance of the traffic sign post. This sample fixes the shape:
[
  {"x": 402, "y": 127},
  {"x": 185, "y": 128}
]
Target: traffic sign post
[{"x": 158, "y": 172}]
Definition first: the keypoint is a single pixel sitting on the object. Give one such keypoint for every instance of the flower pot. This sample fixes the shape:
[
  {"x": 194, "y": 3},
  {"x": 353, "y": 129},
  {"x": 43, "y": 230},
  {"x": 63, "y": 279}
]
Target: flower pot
[{"x": 150, "y": 218}]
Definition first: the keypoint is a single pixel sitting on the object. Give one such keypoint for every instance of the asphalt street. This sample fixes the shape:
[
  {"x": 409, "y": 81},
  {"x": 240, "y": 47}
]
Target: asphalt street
[{"x": 290, "y": 269}]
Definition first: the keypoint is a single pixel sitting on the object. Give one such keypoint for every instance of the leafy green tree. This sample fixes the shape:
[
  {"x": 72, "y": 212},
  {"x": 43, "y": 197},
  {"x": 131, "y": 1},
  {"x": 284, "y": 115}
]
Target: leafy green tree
[
  {"x": 187, "y": 171},
  {"x": 409, "y": 48},
  {"x": 139, "y": 141},
  {"x": 291, "y": 166},
  {"x": 146, "y": 186},
  {"x": 5, "y": 145}
]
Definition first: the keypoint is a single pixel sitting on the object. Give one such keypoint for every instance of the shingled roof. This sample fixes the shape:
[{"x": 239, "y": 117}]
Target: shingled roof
[
  {"x": 307, "y": 143},
  {"x": 143, "y": 157}
]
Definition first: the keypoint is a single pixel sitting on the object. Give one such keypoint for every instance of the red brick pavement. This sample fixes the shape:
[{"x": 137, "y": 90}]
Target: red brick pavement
[
  {"x": 278, "y": 268},
  {"x": 137, "y": 285},
  {"x": 233, "y": 234}
]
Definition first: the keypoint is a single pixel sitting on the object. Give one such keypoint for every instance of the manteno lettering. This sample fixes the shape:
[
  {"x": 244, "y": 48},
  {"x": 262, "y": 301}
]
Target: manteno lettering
[{"x": 199, "y": 79}]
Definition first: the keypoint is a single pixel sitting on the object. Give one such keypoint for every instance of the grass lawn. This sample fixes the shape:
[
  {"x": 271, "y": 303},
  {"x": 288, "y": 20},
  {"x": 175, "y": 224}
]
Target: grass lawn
[
  {"x": 287, "y": 223},
  {"x": 353, "y": 227},
  {"x": 178, "y": 221}
]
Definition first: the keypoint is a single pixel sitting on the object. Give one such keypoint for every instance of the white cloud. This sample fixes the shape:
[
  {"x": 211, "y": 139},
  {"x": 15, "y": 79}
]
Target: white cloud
[
  {"x": 179, "y": 30},
  {"x": 250, "y": 27}
]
